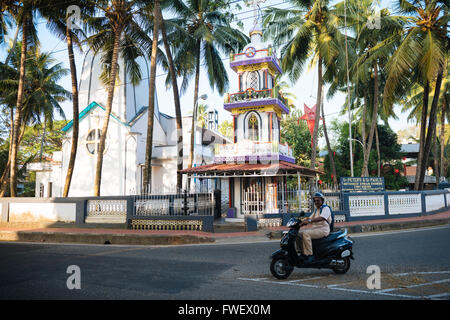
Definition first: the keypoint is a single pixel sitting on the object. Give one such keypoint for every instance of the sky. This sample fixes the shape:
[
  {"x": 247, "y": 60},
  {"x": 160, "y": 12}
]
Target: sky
[{"x": 304, "y": 89}]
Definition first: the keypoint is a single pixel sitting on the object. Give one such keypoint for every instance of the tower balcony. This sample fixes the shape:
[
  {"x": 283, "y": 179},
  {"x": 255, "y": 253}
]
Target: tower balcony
[
  {"x": 252, "y": 55},
  {"x": 252, "y": 151},
  {"x": 252, "y": 98}
]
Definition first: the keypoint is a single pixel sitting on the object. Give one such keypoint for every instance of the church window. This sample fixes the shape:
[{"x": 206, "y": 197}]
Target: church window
[
  {"x": 253, "y": 80},
  {"x": 253, "y": 128},
  {"x": 93, "y": 141}
]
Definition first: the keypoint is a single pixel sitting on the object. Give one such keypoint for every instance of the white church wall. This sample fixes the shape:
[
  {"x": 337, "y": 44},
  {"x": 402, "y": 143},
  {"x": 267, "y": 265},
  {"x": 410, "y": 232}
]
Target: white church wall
[
  {"x": 130, "y": 166},
  {"x": 113, "y": 160}
]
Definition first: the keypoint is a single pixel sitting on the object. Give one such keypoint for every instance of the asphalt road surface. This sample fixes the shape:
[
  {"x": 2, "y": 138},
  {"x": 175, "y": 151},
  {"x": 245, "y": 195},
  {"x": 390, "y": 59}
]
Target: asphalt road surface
[{"x": 413, "y": 264}]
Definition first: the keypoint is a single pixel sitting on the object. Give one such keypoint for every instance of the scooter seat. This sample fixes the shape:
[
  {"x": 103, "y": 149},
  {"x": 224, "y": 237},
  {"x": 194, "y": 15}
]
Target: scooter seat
[{"x": 330, "y": 238}]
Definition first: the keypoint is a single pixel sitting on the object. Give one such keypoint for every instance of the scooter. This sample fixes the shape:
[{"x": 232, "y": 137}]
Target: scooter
[{"x": 332, "y": 252}]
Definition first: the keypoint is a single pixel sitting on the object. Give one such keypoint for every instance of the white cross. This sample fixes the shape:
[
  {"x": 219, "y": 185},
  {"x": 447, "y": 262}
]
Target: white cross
[{"x": 255, "y": 4}]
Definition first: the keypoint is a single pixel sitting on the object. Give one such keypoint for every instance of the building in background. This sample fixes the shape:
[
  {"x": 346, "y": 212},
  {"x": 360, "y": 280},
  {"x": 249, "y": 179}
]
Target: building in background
[
  {"x": 256, "y": 166},
  {"x": 124, "y": 155}
]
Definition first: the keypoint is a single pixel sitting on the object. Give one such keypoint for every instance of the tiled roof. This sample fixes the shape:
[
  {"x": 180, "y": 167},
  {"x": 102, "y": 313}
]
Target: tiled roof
[{"x": 281, "y": 166}]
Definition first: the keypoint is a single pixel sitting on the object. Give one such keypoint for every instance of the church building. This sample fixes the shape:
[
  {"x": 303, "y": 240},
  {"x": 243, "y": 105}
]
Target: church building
[{"x": 126, "y": 139}]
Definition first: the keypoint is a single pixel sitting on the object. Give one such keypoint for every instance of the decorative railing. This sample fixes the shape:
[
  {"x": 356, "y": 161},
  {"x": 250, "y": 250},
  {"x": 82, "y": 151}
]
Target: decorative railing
[
  {"x": 106, "y": 210},
  {"x": 366, "y": 205},
  {"x": 251, "y": 94},
  {"x": 262, "y": 53},
  {"x": 404, "y": 203},
  {"x": 247, "y": 147}
]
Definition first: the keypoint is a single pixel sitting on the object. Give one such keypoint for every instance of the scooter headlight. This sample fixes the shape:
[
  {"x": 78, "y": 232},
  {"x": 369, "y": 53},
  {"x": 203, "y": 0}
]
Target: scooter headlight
[
  {"x": 291, "y": 223},
  {"x": 345, "y": 253}
]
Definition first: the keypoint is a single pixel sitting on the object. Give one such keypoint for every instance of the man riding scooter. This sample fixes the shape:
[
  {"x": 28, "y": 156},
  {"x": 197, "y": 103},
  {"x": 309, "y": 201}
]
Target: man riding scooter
[{"x": 317, "y": 226}]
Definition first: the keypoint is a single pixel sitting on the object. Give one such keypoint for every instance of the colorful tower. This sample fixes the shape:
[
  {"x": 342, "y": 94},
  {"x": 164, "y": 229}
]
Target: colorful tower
[
  {"x": 255, "y": 165},
  {"x": 256, "y": 107}
]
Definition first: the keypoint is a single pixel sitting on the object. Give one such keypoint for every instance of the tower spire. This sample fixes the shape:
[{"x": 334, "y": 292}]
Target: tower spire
[{"x": 257, "y": 17}]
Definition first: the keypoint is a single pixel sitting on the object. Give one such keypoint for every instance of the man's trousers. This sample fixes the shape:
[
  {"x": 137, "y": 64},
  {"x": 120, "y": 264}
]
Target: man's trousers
[{"x": 305, "y": 237}]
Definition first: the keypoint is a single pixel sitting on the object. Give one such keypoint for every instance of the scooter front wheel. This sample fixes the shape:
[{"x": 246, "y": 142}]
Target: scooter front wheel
[{"x": 281, "y": 268}]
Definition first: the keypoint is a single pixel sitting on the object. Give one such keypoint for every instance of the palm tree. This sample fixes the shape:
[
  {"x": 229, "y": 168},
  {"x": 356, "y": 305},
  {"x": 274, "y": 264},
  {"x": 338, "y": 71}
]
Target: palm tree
[
  {"x": 315, "y": 37},
  {"x": 176, "y": 95},
  {"x": 23, "y": 12},
  {"x": 42, "y": 93},
  {"x": 412, "y": 103},
  {"x": 208, "y": 33},
  {"x": 420, "y": 58},
  {"x": 116, "y": 32},
  {"x": 373, "y": 45},
  {"x": 57, "y": 17},
  {"x": 147, "y": 179}
]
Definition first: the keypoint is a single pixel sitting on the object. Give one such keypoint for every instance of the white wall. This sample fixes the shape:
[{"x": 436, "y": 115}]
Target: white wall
[
  {"x": 41, "y": 212},
  {"x": 113, "y": 160}
]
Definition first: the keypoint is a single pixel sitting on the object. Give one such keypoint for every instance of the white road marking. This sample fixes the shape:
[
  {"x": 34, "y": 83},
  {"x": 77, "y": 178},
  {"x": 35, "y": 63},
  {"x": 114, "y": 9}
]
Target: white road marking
[
  {"x": 415, "y": 285},
  {"x": 306, "y": 279},
  {"x": 385, "y": 292},
  {"x": 440, "y": 295},
  {"x": 419, "y": 272}
]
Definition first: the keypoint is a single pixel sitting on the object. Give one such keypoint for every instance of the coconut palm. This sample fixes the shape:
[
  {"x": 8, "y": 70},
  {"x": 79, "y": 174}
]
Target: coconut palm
[
  {"x": 42, "y": 93},
  {"x": 413, "y": 104},
  {"x": 172, "y": 25},
  {"x": 374, "y": 45},
  {"x": 208, "y": 32},
  {"x": 312, "y": 37},
  {"x": 420, "y": 59},
  {"x": 147, "y": 179},
  {"x": 115, "y": 32},
  {"x": 24, "y": 14},
  {"x": 57, "y": 20}
]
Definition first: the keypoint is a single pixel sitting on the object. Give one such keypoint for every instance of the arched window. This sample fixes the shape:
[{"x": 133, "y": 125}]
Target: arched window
[
  {"x": 253, "y": 127},
  {"x": 93, "y": 141},
  {"x": 253, "y": 80}
]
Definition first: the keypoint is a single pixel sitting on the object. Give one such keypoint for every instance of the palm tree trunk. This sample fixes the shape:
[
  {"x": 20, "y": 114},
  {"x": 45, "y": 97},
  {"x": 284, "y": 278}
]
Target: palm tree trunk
[
  {"x": 4, "y": 178},
  {"x": 194, "y": 113},
  {"x": 365, "y": 170},
  {"x": 330, "y": 151},
  {"x": 317, "y": 119},
  {"x": 363, "y": 123},
  {"x": 75, "y": 107},
  {"x": 423, "y": 125},
  {"x": 111, "y": 87},
  {"x": 442, "y": 135},
  {"x": 176, "y": 98},
  {"x": 378, "y": 152},
  {"x": 44, "y": 132},
  {"x": 5, "y": 175},
  {"x": 6, "y": 171},
  {"x": 147, "y": 179},
  {"x": 435, "y": 156},
  {"x": 431, "y": 126},
  {"x": 19, "y": 110}
]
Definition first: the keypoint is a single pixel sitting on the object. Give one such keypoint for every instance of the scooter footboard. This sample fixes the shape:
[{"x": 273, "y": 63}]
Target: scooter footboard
[{"x": 281, "y": 253}]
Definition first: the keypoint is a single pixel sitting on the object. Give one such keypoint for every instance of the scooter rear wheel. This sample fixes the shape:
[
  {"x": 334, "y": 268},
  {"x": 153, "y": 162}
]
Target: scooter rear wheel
[
  {"x": 281, "y": 268},
  {"x": 342, "y": 268}
]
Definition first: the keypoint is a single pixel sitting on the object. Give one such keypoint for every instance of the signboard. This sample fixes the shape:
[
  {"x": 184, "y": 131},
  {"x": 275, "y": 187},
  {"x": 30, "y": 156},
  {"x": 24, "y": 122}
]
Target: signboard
[{"x": 354, "y": 184}]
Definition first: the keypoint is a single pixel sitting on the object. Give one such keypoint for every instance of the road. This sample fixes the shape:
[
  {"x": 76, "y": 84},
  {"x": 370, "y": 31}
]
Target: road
[{"x": 414, "y": 264}]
